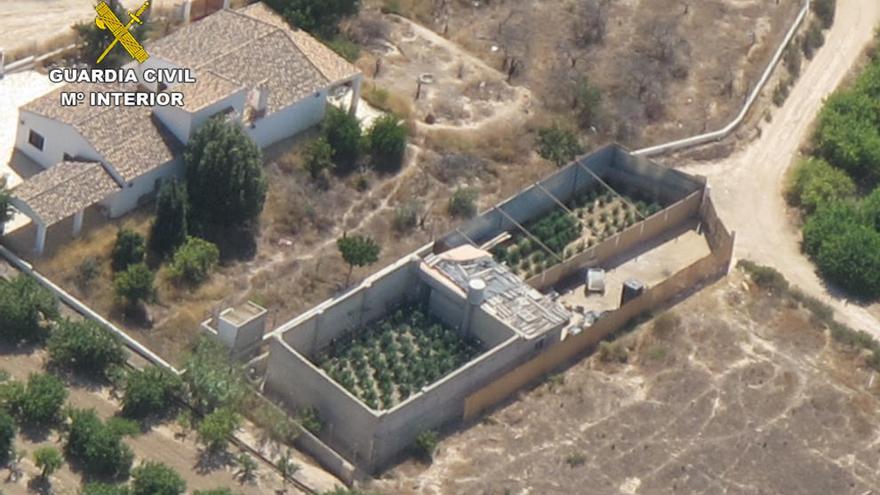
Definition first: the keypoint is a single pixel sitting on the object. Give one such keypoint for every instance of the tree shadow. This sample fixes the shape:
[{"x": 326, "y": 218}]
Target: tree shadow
[
  {"x": 213, "y": 460},
  {"x": 235, "y": 242},
  {"x": 40, "y": 485}
]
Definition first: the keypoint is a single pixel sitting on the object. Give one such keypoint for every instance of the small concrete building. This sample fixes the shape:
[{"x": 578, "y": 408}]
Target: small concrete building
[{"x": 249, "y": 65}]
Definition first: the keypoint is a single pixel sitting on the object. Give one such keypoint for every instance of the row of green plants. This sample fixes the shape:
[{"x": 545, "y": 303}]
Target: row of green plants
[
  {"x": 596, "y": 216},
  {"x": 837, "y": 188},
  {"x": 385, "y": 362}
]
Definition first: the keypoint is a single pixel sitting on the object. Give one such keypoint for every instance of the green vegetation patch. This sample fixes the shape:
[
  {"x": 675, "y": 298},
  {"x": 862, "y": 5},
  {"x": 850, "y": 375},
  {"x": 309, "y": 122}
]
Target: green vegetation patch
[{"x": 387, "y": 361}]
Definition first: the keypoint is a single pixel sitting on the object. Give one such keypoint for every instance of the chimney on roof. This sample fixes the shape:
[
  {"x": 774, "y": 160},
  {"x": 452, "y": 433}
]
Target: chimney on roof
[
  {"x": 259, "y": 100},
  {"x": 476, "y": 290}
]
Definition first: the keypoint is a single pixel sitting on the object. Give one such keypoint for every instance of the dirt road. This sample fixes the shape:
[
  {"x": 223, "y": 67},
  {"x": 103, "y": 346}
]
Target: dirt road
[{"x": 748, "y": 185}]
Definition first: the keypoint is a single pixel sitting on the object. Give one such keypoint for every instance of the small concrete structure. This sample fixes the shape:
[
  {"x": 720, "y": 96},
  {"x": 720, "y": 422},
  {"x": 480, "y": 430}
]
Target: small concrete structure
[{"x": 240, "y": 329}]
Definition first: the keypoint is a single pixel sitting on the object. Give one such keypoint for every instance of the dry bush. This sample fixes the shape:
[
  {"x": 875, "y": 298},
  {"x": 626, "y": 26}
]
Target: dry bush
[
  {"x": 387, "y": 101},
  {"x": 591, "y": 23},
  {"x": 369, "y": 30},
  {"x": 612, "y": 352},
  {"x": 454, "y": 167},
  {"x": 665, "y": 325}
]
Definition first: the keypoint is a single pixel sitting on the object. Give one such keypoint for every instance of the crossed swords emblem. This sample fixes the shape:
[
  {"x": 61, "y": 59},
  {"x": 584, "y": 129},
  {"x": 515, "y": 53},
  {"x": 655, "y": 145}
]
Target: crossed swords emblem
[{"x": 107, "y": 20}]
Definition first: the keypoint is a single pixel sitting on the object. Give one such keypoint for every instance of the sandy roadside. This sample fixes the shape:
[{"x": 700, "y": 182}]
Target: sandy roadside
[{"x": 25, "y": 23}]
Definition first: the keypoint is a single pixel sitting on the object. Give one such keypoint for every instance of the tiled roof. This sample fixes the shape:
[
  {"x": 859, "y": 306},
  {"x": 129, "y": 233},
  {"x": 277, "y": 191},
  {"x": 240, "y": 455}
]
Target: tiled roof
[
  {"x": 208, "y": 89},
  {"x": 65, "y": 189}
]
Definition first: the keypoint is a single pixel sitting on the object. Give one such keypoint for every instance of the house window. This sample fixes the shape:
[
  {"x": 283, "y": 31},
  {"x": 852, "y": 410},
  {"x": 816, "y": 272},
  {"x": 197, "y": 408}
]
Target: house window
[{"x": 36, "y": 140}]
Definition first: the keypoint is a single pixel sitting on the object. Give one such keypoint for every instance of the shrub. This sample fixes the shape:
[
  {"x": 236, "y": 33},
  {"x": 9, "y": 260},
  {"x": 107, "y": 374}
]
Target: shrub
[
  {"x": 824, "y": 10},
  {"x": 24, "y": 307},
  {"x": 666, "y": 323},
  {"x": 97, "y": 448},
  {"x": 224, "y": 175},
  {"x": 345, "y": 48},
  {"x": 463, "y": 203},
  {"x": 7, "y": 437},
  {"x": 154, "y": 478},
  {"x": 793, "y": 61},
  {"x": 318, "y": 157},
  {"x": 215, "y": 430},
  {"x": 558, "y": 145},
  {"x": 813, "y": 39},
  {"x": 39, "y": 402},
  {"x": 848, "y": 134},
  {"x": 128, "y": 250},
  {"x": 170, "y": 228},
  {"x": 310, "y": 420},
  {"x": 151, "y": 391},
  {"x": 87, "y": 272},
  {"x": 426, "y": 444},
  {"x": 575, "y": 460},
  {"x": 588, "y": 101},
  {"x": 816, "y": 183},
  {"x": 105, "y": 489},
  {"x": 406, "y": 217},
  {"x": 134, "y": 285},
  {"x": 343, "y": 133},
  {"x": 765, "y": 277},
  {"x": 870, "y": 209},
  {"x": 84, "y": 346},
  {"x": 387, "y": 140},
  {"x": 194, "y": 261},
  {"x": 612, "y": 352}
]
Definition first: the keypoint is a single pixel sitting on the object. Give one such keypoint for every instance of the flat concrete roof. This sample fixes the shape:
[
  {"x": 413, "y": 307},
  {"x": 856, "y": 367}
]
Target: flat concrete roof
[{"x": 242, "y": 313}]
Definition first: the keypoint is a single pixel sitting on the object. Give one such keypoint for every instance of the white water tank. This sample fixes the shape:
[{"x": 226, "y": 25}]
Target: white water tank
[{"x": 476, "y": 291}]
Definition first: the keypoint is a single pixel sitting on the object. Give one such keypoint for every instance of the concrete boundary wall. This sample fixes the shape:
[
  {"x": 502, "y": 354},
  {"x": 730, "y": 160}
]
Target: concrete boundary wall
[
  {"x": 635, "y": 175},
  {"x": 750, "y": 101},
  {"x": 706, "y": 269}
]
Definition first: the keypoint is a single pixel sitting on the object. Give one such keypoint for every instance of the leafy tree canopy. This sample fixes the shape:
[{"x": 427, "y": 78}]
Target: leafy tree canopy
[
  {"x": 128, "y": 250},
  {"x": 224, "y": 175},
  {"x": 7, "y": 437},
  {"x": 319, "y": 17},
  {"x": 25, "y": 306},
  {"x": 852, "y": 260},
  {"x": 84, "y": 346},
  {"x": 816, "y": 183},
  {"x": 216, "y": 428},
  {"x": 96, "y": 447},
  {"x": 170, "y": 228},
  {"x": 48, "y": 459},
  {"x": 387, "y": 139},
  {"x": 105, "y": 489},
  {"x": 154, "y": 478},
  {"x": 39, "y": 402},
  {"x": 135, "y": 284},
  {"x": 150, "y": 391},
  {"x": 358, "y": 250},
  {"x": 318, "y": 157},
  {"x": 212, "y": 380}
]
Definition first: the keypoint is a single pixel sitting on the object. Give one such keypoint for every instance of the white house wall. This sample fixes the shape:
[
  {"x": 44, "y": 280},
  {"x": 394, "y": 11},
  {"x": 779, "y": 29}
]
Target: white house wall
[
  {"x": 58, "y": 139},
  {"x": 290, "y": 121},
  {"x": 128, "y": 199}
]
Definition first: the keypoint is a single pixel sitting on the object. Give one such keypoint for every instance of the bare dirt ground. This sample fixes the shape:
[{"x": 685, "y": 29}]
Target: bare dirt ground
[
  {"x": 741, "y": 395},
  {"x": 668, "y": 69},
  {"x": 748, "y": 186},
  {"x": 27, "y": 24}
]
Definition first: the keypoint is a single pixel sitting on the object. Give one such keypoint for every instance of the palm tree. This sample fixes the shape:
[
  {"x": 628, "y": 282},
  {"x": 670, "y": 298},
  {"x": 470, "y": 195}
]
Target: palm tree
[{"x": 287, "y": 467}]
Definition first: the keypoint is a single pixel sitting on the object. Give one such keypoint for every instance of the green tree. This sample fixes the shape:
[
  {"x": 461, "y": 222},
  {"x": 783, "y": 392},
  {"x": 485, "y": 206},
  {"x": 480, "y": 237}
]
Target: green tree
[
  {"x": 829, "y": 220},
  {"x": 48, "y": 459},
  {"x": 318, "y": 157},
  {"x": 39, "y": 402},
  {"x": 216, "y": 428},
  {"x": 387, "y": 140},
  {"x": 7, "y": 437},
  {"x": 151, "y": 391},
  {"x": 128, "y": 250},
  {"x": 154, "y": 478},
  {"x": 848, "y": 134},
  {"x": 287, "y": 467},
  {"x": 224, "y": 175},
  {"x": 463, "y": 203},
  {"x": 96, "y": 447},
  {"x": 357, "y": 250},
  {"x": 558, "y": 145},
  {"x": 6, "y": 210},
  {"x": 342, "y": 132},
  {"x": 426, "y": 444},
  {"x": 170, "y": 228},
  {"x": 870, "y": 209},
  {"x": 105, "y": 489},
  {"x": 247, "y": 467},
  {"x": 319, "y": 17},
  {"x": 134, "y": 285},
  {"x": 816, "y": 183},
  {"x": 194, "y": 262},
  {"x": 25, "y": 306},
  {"x": 211, "y": 379},
  {"x": 851, "y": 259},
  {"x": 84, "y": 346},
  {"x": 587, "y": 103}
]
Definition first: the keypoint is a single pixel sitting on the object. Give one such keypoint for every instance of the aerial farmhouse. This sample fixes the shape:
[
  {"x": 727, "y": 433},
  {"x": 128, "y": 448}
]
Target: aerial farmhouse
[{"x": 248, "y": 64}]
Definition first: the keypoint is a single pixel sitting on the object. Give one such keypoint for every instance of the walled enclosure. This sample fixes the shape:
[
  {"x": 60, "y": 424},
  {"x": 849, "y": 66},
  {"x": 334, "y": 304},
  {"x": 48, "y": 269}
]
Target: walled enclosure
[{"x": 372, "y": 439}]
